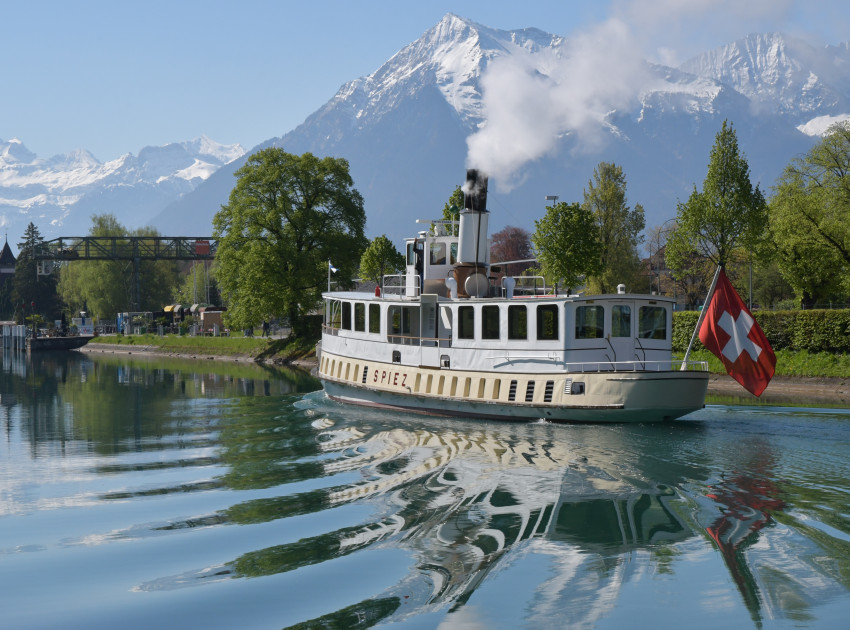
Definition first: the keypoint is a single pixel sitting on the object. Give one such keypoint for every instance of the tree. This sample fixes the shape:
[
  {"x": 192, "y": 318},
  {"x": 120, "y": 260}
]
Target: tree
[
  {"x": 729, "y": 213},
  {"x": 618, "y": 227},
  {"x": 810, "y": 219},
  {"x": 567, "y": 243},
  {"x": 512, "y": 243},
  {"x": 451, "y": 211},
  {"x": 29, "y": 288},
  {"x": 107, "y": 287},
  {"x": 380, "y": 259},
  {"x": 197, "y": 284},
  {"x": 287, "y": 216}
]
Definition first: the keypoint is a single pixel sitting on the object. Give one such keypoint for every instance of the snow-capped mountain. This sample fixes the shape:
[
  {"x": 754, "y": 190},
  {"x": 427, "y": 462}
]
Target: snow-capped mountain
[
  {"x": 537, "y": 111},
  {"x": 61, "y": 193},
  {"x": 563, "y": 106},
  {"x": 782, "y": 74}
]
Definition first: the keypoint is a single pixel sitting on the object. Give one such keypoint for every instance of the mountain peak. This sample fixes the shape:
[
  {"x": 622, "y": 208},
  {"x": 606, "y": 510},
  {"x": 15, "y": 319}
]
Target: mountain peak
[{"x": 780, "y": 73}]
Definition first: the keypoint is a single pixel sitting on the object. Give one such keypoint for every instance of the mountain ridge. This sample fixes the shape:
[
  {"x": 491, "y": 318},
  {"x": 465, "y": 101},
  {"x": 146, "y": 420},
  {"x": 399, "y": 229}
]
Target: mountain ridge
[{"x": 406, "y": 127}]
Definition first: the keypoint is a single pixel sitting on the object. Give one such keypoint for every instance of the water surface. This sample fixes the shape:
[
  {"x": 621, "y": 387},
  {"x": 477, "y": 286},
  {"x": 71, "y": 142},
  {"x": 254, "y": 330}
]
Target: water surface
[{"x": 161, "y": 493}]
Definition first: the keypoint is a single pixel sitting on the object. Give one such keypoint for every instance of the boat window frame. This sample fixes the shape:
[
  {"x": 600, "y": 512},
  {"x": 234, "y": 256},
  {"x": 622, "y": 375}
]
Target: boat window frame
[
  {"x": 374, "y": 321},
  {"x": 540, "y": 311},
  {"x": 359, "y": 317},
  {"x": 487, "y": 321},
  {"x": 464, "y": 322},
  {"x": 620, "y": 328},
  {"x": 514, "y": 323},
  {"x": 346, "y": 315},
  {"x": 437, "y": 253},
  {"x": 580, "y": 324},
  {"x": 664, "y": 317}
]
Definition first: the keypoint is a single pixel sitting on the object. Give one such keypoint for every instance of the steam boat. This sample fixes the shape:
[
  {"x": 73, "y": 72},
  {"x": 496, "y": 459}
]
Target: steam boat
[{"x": 445, "y": 338}]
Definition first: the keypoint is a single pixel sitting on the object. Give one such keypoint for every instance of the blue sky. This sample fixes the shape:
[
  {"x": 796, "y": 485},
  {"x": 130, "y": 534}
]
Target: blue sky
[{"x": 115, "y": 76}]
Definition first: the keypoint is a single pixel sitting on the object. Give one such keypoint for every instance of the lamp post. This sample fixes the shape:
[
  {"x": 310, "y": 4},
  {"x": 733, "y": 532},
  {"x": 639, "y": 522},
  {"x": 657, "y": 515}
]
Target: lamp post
[
  {"x": 552, "y": 198},
  {"x": 33, "y": 320}
]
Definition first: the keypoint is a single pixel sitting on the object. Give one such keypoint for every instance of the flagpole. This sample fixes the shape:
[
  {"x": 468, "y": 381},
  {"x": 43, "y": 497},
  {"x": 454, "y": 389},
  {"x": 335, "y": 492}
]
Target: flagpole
[
  {"x": 329, "y": 275},
  {"x": 701, "y": 316}
]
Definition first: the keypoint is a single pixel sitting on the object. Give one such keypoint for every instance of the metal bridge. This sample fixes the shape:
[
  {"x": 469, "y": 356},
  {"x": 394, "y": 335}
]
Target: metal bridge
[{"x": 54, "y": 252}]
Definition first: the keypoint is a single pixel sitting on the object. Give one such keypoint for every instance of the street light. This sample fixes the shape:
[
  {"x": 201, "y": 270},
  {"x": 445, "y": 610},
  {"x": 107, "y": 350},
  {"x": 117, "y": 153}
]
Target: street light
[{"x": 552, "y": 198}]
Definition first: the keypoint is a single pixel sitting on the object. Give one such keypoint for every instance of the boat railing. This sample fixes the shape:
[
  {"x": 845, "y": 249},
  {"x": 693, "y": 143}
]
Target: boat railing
[
  {"x": 669, "y": 365},
  {"x": 529, "y": 286},
  {"x": 413, "y": 340},
  {"x": 401, "y": 284}
]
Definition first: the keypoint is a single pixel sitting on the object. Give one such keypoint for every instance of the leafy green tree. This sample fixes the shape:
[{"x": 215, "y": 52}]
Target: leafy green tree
[
  {"x": 567, "y": 243},
  {"x": 107, "y": 287},
  {"x": 287, "y": 216},
  {"x": 196, "y": 283},
  {"x": 810, "y": 219},
  {"x": 380, "y": 259},
  {"x": 729, "y": 213},
  {"x": 29, "y": 287},
  {"x": 451, "y": 211},
  {"x": 618, "y": 227}
]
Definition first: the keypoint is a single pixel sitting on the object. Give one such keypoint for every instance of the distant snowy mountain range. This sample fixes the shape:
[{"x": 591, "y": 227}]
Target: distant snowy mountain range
[
  {"x": 537, "y": 111},
  {"x": 60, "y": 194}
]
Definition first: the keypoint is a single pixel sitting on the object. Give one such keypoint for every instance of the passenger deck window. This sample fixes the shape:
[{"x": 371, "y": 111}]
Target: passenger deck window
[
  {"x": 518, "y": 322},
  {"x": 346, "y": 316},
  {"x": 547, "y": 322},
  {"x": 374, "y": 318},
  {"x": 359, "y": 317},
  {"x": 621, "y": 321},
  {"x": 490, "y": 322},
  {"x": 653, "y": 322},
  {"x": 466, "y": 322},
  {"x": 590, "y": 322}
]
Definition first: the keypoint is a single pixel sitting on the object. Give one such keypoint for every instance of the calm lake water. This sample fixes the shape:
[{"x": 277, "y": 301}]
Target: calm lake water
[{"x": 175, "y": 494}]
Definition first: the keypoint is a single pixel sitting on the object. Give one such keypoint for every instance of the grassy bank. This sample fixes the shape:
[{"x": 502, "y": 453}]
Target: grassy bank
[
  {"x": 793, "y": 363},
  {"x": 259, "y": 348},
  {"x": 788, "y": 362}
]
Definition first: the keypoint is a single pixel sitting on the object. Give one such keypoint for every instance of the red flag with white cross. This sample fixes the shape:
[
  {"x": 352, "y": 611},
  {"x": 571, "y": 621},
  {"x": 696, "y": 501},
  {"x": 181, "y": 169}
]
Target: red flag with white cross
[{"x": 732, "y": 334}]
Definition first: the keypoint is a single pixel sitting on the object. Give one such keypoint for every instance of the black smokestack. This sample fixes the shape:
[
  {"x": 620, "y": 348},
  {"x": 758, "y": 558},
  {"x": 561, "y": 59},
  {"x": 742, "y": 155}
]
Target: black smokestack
[{"x": 475, "y": 191}]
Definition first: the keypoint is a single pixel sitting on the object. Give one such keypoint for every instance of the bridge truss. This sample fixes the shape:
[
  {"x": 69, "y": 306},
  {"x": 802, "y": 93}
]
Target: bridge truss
[{"x": 65, "y": 249}]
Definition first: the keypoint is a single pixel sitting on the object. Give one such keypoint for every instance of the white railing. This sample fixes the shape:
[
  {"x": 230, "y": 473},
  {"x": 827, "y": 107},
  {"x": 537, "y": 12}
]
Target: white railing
[
  {"x": 670, "y": 365},
  {"x": 401, "y": 284}
]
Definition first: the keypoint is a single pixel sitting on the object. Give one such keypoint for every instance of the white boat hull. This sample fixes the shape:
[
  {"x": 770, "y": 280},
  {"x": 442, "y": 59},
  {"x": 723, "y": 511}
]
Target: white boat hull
[{"x": 605, "y": 396}]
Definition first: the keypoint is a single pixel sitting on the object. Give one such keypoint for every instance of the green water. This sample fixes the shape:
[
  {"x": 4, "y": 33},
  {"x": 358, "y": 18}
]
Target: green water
[{"x": 194, "y": 494}]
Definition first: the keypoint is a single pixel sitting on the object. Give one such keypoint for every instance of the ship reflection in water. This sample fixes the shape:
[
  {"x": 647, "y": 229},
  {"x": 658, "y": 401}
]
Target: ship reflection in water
[
  {"x": 600, "y": 509},
  {"x": 225, "y": 496}
]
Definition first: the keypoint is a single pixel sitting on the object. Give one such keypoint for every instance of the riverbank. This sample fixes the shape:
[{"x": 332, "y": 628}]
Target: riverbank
[{"x": 783, "y": 390}]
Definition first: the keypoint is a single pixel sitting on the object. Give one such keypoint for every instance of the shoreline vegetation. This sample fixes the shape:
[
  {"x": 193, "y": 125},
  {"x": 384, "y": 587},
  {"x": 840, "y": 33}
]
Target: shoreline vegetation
[{"x": 801, "y": 377}]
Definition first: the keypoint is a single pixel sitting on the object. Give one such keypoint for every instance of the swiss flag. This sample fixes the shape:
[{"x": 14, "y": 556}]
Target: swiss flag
[{"x": 732, "y": 334}]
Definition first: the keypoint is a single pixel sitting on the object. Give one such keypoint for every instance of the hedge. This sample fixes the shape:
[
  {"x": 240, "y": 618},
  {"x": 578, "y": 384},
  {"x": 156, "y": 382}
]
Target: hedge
[{"x": 812, "y": 331}]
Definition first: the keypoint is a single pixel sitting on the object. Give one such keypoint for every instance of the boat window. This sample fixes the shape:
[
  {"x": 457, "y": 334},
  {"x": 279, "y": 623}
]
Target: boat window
[
  {"x": 590, "y": 322},
  {"x": 334, "y": 314},
  {"x": 621, "y": 321},
  {"x": 438, "y": 253},
  {"x": 490, "y": 322},
  {"x": 547, "y": 321},
  {"x": 399, "y": 320},
  {"x": 346, "y": 316},
  {"x": 359, "y": 317},
  {"x": 453, "y": 253},
  {"x": 411, "y": 254},
  {"x": 517, "y": 322},
  {"x": 653, "y": 322},
  {"x": 374, "y": 318},
  {"x": 466, "y": 322}
]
